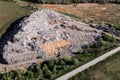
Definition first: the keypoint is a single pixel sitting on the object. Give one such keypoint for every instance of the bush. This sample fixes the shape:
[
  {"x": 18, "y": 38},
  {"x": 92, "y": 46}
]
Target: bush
[
  {"x": 29, "y": 74},
  {"x": 61, "y": 67},
  {"x": 55, "y": 68},
  {"x": 62, "y": 62},
  {"x": 75, "y": 61},
  {"x": 108, "y": 37},
  {"x": 117, "y": 26},
  {"x": 50, "y": 64},
  {"x": 38, "y": 72}
]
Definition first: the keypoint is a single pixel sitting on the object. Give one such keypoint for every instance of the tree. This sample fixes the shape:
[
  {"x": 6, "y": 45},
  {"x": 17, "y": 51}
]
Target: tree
[
  {"x": 74, "y": 1},
  {"x": 75, "y": 61},
  {"x": 39, "y": 73},
  {"x": 66, "y": 1},
  {"x": 68, "y": 60},
  {"x": 31, "y": 68},
  {"x": 54, "y": 68},
  {"x": 19, "y": 74},
  {"x": 29, "y": 74},
  {"x": 7, "y": 76},
  {"x": 44, "y": 67},
  {"x": 47, "y": 73},
  {"x": 50, "y": 64},
  {"x": 62, "y": 62}
]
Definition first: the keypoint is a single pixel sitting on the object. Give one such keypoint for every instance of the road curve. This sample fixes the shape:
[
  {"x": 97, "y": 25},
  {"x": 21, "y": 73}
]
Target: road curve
[{"x": 89, "y": 64}]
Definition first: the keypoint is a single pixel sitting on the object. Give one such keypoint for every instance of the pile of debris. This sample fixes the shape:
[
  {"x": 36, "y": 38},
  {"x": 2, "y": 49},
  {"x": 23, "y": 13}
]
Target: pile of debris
[{"x": 45, "y": 34}]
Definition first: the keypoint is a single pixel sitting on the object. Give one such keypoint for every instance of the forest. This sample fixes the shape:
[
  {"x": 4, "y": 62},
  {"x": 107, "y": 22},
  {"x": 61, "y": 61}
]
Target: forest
[{"x": 73, "y": 1}]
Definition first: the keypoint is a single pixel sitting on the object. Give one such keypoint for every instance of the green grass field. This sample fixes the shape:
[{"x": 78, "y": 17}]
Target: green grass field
[
  {"x": 10, "y": 12},
  {"x": 106, "y": 70}
]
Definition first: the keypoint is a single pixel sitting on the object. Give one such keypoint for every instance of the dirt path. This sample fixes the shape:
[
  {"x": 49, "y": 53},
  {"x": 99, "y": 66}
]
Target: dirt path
[{"x": 89, "y": 64}]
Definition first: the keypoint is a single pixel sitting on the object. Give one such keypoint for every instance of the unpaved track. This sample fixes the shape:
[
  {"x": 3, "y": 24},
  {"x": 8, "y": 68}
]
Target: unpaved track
[{"x": 89, "y": 64}]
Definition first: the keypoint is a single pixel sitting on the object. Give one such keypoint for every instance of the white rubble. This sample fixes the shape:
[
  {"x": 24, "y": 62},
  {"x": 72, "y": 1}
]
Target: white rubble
[{"x": 46, "y": 33}]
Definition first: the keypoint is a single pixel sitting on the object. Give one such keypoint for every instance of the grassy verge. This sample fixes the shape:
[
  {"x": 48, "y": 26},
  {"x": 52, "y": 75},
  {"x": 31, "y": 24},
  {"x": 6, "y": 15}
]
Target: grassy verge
[
  {"x": 10, "y": 12},
  {"x": 70, "y": 15},
  {"x": 105, "y": 70}
]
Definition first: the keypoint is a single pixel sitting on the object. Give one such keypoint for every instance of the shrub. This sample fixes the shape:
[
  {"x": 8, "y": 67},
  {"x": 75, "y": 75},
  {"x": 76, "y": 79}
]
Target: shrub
[
  {"x": 50, "y": 64},
  {"x": 108, "y": 37},
  {"x": 75, "y": 61}
]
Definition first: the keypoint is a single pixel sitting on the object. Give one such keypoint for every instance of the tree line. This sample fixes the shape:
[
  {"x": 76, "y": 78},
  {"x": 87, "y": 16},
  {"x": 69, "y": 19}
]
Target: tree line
[{"x": 73, "y": 1}]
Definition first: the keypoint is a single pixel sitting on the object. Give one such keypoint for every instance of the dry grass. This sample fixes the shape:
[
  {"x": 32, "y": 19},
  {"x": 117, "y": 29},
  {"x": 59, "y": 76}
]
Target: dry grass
[
  {"x": 108, "y": 71},
  {"x": 102, "y": 13}
]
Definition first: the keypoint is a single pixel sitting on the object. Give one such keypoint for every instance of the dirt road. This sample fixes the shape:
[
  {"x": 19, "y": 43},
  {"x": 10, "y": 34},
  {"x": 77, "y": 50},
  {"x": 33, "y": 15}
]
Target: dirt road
[{"x": 89, "y": 64}]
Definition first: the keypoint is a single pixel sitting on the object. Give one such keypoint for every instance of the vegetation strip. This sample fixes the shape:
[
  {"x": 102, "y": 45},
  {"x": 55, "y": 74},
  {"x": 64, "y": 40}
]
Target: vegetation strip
[
  {"x": 89, "y": 64},
  {"x": 107, "y": 69},
  {"x": 73, "y": 1}
]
